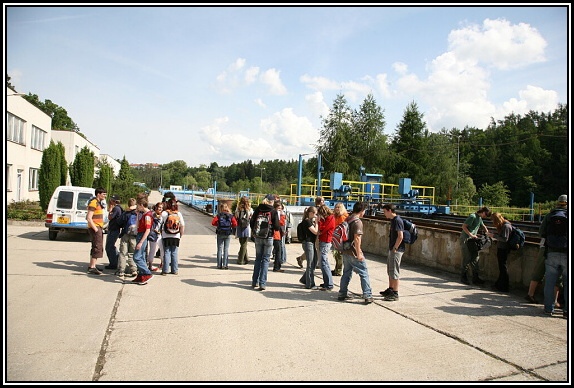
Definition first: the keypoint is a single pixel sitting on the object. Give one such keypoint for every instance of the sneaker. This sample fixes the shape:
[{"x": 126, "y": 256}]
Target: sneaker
[
  {"x": 174, "y": 273},
  {"x": 393, "y": 297},
  {"x": 145, "y": 279},
  {"x": 131, "y": 275},
  {"x": 278, "y": 270},
  {"x": 226, "y": 267},
  {"x": 549, "y": 313},
  {"x": 137, "y": 279},
  {"x": 94, "y": 271},
  {"x": 345, "y": 297},
  {"x": 464, "y": 280},
  {"x": 154, "y": 269},
  {"x": 388, "y": 291},
  {"x": 261, "y": 288},
  {"x": 120, "y": 274},
  {"x": 164, "y": 274},
  {"x": 369, "y": 300},
  {"x": 530, "y": 299}
]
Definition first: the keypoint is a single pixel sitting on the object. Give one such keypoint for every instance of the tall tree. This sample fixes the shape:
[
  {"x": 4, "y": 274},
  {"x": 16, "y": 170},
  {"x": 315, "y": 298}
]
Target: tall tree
[
  {"x": 63, "y": 164},
  {"x": 105, "y": 176},
  {"x": 368, "y": 143},
  {"x": 83, "y": 167},
  {"x": 334, "y": 137},
  {"x": 409, "y": 144},
  {"x": 49, "y": 174}
]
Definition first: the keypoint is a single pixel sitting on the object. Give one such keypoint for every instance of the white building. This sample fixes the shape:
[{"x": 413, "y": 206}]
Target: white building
[{"x": 28, "y": 133}]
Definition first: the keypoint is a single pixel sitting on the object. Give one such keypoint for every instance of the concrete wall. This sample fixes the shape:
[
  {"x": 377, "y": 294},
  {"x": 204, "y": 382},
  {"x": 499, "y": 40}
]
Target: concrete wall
[{"x": 439, "y": 249}]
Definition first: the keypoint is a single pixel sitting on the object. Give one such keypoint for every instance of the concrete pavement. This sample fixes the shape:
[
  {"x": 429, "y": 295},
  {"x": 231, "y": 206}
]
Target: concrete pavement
[{"x": 207, "y": 324}]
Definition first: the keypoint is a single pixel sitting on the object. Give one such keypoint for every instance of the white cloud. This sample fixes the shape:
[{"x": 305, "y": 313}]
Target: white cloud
[
  {"x": 498, "y": 43},
  {"x": 260, "y": 102},
  {"x": 272, "y": 79},
  {"x": 532, "y": 98},
  {"x": 319, "y": 83}
]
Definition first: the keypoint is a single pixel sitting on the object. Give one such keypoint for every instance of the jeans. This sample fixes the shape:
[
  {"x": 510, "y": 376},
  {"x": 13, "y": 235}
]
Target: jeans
[
  {"x": 350, "y": 264},
  {"x": 308, "y": 277},
  {"x": 324, "y": 248},
  {"x": 242, "y": 256},
  {"x": 170, "y": 258},
  {"x": 277, "y": 255},
  {"x": 556, "y": 265},
  {"x": 283, "y": 250},
  {"x": 140, "y": 256},
  {"x": 263, "y": 251},
  {"x": 111, "y": 250},
  {"x": 223, "y": 250}
]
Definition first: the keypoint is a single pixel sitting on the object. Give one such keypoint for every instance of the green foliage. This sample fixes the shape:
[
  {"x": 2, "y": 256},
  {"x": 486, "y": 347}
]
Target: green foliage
[
  {"x": 105, "y": 176},
  {"x": 49, "y": 174},
  {"x": 123, "y": 186},
  {"x": 494, "y": 195},
  {"x": 82, "y": 169},
  {"x": 25, "y": 211}
]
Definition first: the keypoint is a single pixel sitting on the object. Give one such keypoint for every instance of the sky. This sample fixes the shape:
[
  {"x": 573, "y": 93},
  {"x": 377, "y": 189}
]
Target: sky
[{"x": 226, "y": 84}]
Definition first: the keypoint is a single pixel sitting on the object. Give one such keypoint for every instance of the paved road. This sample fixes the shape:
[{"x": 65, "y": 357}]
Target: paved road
[{"x": 209, "y": 325}]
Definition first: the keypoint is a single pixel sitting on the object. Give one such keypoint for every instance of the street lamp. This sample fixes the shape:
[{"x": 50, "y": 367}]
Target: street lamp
[
  {"x": 261, "y": 183},
  {"x": 457, "y": 162}
]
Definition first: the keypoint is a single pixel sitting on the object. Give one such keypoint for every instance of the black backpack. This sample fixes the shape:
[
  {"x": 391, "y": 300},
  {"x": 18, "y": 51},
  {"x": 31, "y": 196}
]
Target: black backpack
[
  {"x": 263, "y": 225},
  {"x": 557, "y": 229},
  {"x": 243, "y": 219},
  {"x": 516, "y": 239}
]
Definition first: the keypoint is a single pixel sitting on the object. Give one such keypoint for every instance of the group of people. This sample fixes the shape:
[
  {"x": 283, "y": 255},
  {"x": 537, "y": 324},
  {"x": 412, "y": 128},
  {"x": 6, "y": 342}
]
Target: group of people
[
  {"x": 266, "y": 226},
  {"x": 552, "y": 262},
  {"x": 142, "y": 232}
]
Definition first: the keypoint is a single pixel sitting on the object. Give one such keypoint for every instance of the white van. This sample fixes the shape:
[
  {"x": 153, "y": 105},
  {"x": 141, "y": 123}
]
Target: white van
[{"x": 67, "y": 210}]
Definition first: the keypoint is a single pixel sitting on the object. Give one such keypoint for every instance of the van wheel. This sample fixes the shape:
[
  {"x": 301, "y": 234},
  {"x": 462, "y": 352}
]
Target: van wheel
[{"x": 52, "y": 234}]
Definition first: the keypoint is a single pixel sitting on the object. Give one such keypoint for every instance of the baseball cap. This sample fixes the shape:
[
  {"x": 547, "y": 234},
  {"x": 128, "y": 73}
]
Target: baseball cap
[
  {"x": 115, "y": 198},
  {"x": 270, "y": 197},
  {"x": 563, "y": 198}
]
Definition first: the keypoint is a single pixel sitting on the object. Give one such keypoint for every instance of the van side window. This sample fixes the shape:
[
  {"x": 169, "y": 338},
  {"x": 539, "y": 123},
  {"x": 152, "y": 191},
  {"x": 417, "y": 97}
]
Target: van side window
[
  {"x": 83, "y": 199},
  {"x": 65, "y": 200}
]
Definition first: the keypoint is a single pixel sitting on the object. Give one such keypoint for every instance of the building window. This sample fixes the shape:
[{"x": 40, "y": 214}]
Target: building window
[
  {"x": 8, "y": 177},
  {"x": 38, "y": 139},
  {"x": 33, "y": 184},
  {"x": 15, "y": 129}
]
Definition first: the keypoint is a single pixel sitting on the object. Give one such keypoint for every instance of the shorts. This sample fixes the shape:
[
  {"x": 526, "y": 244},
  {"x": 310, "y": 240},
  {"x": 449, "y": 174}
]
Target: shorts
[
  {"x": 394, "y": 264},
  {"x": 97, "y": 251}
]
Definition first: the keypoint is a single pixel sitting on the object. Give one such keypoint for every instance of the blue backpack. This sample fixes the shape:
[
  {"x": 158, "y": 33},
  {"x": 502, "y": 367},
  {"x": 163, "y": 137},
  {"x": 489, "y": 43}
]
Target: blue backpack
[
  {"x": 411, "y": 233},
  {"x": 516, "y": 239},
  {"x": 224, "y": 224}
]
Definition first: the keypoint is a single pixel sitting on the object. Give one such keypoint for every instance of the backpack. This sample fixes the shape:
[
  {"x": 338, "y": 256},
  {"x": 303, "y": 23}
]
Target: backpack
[
  {"x": 115, "y": 221},
  {"x": 481, "y": 242},
  {"x": 340, "y": 240},
  {"x": 557, "y": 229},
  {"x": 171, "y": 225},
  {"x": 301, "y": 232},
  {"x": 127, "y": 221},
  {"x": 411, "y": 233},
  {"x": 155, "y": 228},
  {"x": 262, "y": 225},
  {"x": 224, "y": 224},
  {"x": 243, "y": 219},
  {"x": 516, "y": 239}
]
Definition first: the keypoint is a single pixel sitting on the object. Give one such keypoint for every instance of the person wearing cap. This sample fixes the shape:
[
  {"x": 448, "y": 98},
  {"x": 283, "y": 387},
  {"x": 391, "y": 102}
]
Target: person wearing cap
[
  {"x": 554, "y": 230},
  {"x": 114, "y": 212}
]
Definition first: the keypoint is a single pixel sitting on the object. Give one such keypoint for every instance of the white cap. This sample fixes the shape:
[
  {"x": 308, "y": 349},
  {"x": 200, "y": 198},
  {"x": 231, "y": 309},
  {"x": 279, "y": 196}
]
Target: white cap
[{"x": 563, "y": 198}]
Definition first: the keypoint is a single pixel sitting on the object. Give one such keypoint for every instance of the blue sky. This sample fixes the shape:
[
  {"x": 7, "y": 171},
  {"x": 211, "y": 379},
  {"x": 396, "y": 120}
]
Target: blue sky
[{"x": 222, "y": 84}]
